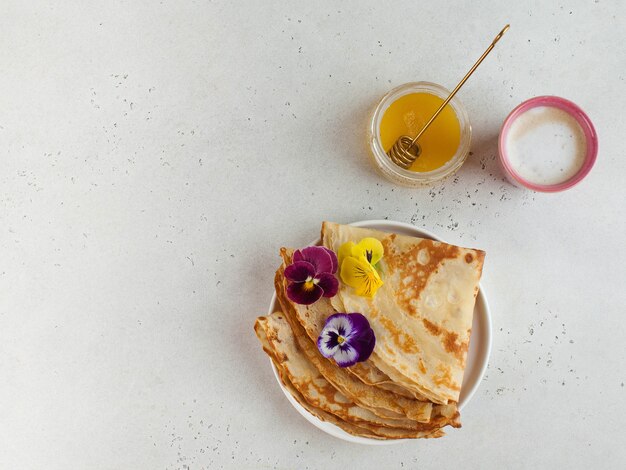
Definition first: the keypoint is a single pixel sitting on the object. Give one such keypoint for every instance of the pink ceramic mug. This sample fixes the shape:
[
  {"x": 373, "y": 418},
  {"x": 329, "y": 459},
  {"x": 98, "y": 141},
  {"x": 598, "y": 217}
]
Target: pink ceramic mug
[{"x": 580, "y": 117}]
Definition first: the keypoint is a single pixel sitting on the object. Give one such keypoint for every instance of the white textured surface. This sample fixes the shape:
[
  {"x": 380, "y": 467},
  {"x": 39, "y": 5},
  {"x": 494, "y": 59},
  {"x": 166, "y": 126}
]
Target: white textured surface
[{"x": 157, "y": 154}]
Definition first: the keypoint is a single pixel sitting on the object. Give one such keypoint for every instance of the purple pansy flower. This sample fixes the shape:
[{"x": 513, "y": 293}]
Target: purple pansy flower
[
  {"x": 312, "y": 275},
  {"x": 322, "y": 259},
  {"x": 347, "y": 338}
]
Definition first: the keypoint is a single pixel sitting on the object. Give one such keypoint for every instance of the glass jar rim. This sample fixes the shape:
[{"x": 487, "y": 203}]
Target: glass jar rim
[{"x": 408, "y": 177}]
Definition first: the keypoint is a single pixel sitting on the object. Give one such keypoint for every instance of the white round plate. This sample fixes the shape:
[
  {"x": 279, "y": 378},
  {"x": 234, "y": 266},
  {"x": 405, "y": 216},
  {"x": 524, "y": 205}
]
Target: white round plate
[{"x": 477, "y": 356}]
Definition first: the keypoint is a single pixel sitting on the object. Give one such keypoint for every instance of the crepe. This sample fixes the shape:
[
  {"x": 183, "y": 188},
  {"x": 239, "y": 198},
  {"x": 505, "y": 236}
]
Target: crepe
[
  {"x": 422, "y": 314},
  {"x": 381, "y": 402},
  {"x": 312, "y": 319},
  {"x": 322, "y": 415},
  {"x": 295, "y": 369}
]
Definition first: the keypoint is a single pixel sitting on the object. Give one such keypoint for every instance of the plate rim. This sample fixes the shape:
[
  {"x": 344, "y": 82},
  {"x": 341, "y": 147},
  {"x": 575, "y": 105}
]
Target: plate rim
[{"x": 335, "y": 430}]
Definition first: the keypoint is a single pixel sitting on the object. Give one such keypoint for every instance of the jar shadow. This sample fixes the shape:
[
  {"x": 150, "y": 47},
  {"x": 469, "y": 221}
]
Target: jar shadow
[{"x": 483, "y": 157}]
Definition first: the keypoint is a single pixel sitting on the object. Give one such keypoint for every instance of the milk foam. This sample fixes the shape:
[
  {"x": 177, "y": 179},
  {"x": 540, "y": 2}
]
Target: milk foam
[{"x": 546, "y": 145}]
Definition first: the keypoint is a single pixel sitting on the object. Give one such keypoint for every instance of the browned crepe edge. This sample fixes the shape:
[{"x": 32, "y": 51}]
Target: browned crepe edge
[
  {"x": 403, "y": 405},
  {"x": 359, "y": 370},
  {"x": 395, "y": 373},
  {"x": 361, "y": 429},
  {"x": 345, "y": 409},
  {"x": 368, "y": 397}
]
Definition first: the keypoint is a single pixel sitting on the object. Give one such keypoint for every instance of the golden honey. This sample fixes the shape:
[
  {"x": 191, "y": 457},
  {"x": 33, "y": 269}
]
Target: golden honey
[{"x": 408, "y": 114}]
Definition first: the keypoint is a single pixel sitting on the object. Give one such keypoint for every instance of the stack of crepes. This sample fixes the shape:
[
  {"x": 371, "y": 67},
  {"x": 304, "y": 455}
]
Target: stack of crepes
[{"x": 421, "y": 317}]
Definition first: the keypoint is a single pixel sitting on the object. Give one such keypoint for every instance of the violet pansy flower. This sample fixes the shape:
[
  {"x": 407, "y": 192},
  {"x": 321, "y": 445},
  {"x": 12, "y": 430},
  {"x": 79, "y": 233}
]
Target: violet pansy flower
[
  {"x": 312, "y": 275},
  {"x": 347, "y": 338},
  {"x": 322, "y": 259}
]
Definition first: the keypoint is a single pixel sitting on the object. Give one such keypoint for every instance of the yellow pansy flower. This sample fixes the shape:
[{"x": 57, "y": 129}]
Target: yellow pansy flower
[
  {"x": 345, "y": 251},
  {"x": 357, "y": 265}
]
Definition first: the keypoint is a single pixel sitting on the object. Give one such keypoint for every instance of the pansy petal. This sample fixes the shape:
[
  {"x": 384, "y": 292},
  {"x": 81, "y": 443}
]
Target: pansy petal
[
  {"x": 345, "y": 250},
  {"x": 353, "y": 271},
  {"x": 320, "y": 259},
  {"x": 339, "y": 323},
  {"x": 358, "y": 324},
  {"x": 346, "y": 355},
  {"x": 356, "y": 343},
  {"x": 327, "y": 343},
  {"x": 297, "y": 256},
  {"x": 333, "y": 258},
  {"x": 299, "y": 271},
  {"x": 359, "y": 274},
  {"x": 369, "y": 286},
  {"x": 363, "y": 341},
  {"x": 329, "y": 284},
  {"x": 303, "y": 293},
  {"x": 371, "y": 248}
]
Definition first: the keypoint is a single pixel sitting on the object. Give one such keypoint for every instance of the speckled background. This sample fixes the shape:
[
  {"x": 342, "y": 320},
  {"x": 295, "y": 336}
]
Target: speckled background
[{"x": 156, "y": 155}]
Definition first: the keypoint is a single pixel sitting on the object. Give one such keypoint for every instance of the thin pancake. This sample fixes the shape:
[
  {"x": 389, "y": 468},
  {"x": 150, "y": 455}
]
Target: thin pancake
[
  {"x": 362, "y": 429},
  {"x": 312, "y": 318},
  {"x": 347, "y": 427},
  {"x": 448, "y": 412},
  {"x": 379, "y": 401},
  {"x": 422, "y": 314},
  {"x": 317, "y": 390}
]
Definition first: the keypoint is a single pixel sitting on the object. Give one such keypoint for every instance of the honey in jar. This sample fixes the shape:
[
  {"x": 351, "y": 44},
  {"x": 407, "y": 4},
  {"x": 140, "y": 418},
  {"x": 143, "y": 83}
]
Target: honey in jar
[
  {"x": 404, "y": 111},
  {"x": 408, "y": 114}
]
